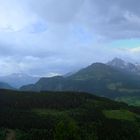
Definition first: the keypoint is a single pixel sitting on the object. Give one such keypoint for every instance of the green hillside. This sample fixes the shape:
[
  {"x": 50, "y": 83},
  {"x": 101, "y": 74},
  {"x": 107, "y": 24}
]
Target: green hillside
[{"x": 66, "y": 116}]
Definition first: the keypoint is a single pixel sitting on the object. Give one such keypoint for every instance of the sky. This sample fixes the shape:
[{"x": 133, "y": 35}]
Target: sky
[{"x": 50, "y": 37}]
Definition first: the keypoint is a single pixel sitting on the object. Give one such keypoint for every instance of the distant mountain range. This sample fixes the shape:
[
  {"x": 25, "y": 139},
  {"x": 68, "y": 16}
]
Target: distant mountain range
[
  {"x": 5, "y": 86},
  {"x": 17, "y": 80},
  {"x": 113, "y": 79}
]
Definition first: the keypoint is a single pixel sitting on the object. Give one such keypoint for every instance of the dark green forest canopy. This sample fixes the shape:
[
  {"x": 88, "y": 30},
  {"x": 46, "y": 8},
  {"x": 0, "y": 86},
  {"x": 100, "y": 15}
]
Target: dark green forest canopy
[{"x": 67, "y": 115}]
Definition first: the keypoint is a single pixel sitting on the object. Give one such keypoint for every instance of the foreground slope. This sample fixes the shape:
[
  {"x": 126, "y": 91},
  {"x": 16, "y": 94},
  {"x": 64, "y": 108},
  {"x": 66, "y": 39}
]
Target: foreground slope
[
  {"x": 66, "y": 116},
  {"x": 98, "y": 78}
]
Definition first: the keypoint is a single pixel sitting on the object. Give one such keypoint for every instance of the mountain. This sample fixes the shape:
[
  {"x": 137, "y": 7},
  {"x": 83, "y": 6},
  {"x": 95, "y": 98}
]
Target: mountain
[
  {"x": 66, "y": 116},
  {"x": 69, "y": 73},
  {"x": 125, "y": 66},
  {"x": 5, "y": 86},
  {"x": 18, "y": 79},
  {"x": 98, "y": 78}
]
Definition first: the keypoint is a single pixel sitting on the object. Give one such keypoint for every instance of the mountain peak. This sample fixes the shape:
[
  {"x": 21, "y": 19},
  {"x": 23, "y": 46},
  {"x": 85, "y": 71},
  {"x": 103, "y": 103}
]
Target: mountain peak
[
  {"x": 117, "y": 62},
  {"x": 123, "y": 65},
  {"x": 117, "y": 59}
]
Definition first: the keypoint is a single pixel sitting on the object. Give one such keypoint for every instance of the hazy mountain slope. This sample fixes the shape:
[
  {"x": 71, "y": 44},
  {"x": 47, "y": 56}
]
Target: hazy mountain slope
[
  {"x": 19, "y": 79},
  {"x": 5, "y": 86},
  {"x": 98, "y": 78},
  {"x": 52, "y": 83}
]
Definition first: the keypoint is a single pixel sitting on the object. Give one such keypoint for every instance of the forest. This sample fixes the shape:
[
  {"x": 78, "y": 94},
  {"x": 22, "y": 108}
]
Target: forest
[{"x": 66, "y": 116}]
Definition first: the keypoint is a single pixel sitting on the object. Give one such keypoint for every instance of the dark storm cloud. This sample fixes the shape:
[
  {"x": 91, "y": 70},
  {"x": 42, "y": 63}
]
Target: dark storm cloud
[
  {"x": 111, "y": 19},
  {"x": 117, "y": 19}
]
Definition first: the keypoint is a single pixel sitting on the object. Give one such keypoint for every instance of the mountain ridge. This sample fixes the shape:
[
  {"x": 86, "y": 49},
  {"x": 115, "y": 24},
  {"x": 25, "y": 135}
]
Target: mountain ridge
[{"x": 102, "y": 79}]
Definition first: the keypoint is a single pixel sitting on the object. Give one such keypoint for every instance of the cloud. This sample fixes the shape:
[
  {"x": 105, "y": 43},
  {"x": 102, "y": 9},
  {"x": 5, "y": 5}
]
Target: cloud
[
  {"x": 14, "y": 15},
  {"x": 116, "y": 19},
  {"x": 109, "y": 19},
  {"x": 56, "y": 11},
  {"x": 52, "y": 36}
]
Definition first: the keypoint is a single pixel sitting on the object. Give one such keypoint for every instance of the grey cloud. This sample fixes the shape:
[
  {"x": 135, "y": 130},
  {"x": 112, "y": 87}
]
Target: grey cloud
[
  {"x": 113, "y": 19},
  {"x": 118, "y": 19},
  {"x": 55, "y": 10},
  {"x": 54, "y": 42}
]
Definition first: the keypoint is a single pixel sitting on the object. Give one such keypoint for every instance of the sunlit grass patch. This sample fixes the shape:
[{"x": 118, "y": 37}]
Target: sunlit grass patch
[
  {"x": 135, "y": 101},
  {"x": 120, "y": 115}
]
